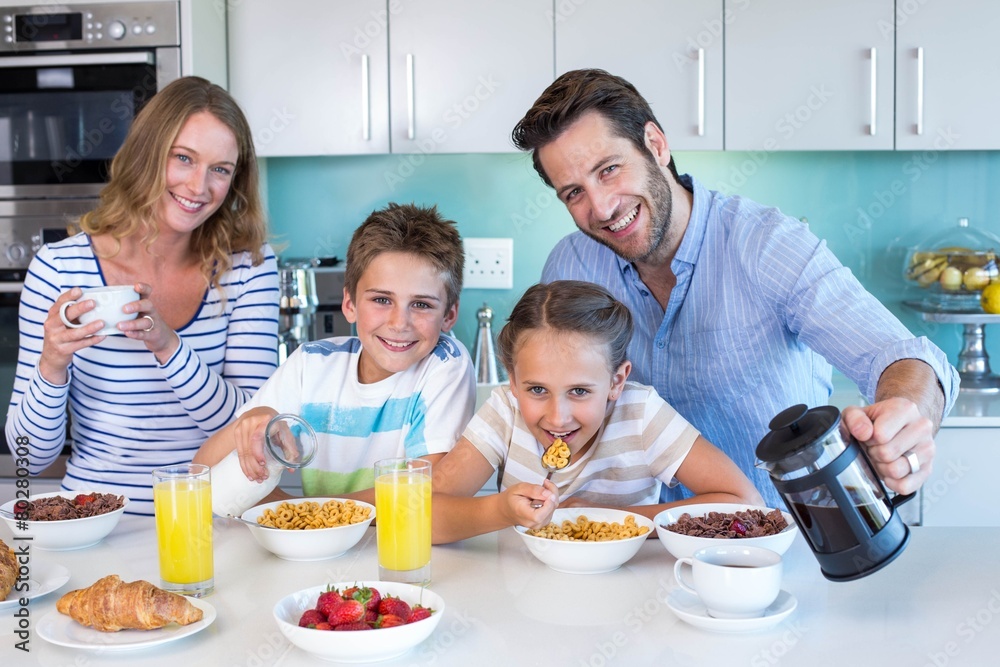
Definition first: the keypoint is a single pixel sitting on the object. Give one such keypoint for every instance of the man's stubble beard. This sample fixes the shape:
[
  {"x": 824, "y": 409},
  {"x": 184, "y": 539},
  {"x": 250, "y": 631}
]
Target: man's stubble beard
[{"x": 660, "y": 204}]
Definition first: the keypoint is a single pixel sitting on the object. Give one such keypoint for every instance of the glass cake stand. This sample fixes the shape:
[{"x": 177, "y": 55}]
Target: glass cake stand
[{"x": 973, "y": 362}]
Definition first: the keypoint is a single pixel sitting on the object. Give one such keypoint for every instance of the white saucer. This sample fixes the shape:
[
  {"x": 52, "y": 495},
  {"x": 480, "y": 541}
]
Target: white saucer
[{"x": 689, "y": 608}]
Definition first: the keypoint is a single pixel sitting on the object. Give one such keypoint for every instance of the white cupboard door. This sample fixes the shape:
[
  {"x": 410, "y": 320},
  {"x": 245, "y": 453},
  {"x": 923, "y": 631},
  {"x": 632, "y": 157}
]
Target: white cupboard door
[
  {"x": 312, "y": 76},
  {"x": 809, "y": 75},
  {"x": 947, "y": 60},
  {"x": 671, "y": 51},
  {"x": 961, "y": 490},
  {"x": 463, "y": 73}
]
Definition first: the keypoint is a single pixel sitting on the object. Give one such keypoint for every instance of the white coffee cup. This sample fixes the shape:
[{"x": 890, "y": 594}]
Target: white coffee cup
[
  {"x": 108, "y": 303},
  {"x": 733, "y": 581}
]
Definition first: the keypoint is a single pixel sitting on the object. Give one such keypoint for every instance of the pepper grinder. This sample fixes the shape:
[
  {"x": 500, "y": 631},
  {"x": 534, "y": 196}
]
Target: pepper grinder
[{"x": 486, "y": 358}]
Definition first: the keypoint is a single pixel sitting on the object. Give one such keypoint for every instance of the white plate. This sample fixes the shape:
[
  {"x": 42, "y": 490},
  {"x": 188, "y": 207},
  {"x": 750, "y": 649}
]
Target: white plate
[
  {"x": 43, "y": 578},
  {"x": 62, "y": 630},
  {"x": 691, "y": 610}
]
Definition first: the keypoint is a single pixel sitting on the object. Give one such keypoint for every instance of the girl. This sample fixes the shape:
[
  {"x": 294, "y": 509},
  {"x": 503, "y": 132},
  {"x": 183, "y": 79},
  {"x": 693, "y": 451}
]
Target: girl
[{"x": 564, "y": 349}]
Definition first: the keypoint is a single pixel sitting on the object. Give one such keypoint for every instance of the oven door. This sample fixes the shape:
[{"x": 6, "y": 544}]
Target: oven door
[{"x": 63, "y": 116}]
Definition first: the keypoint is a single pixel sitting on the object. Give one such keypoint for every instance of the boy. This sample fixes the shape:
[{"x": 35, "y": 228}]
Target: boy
[{"x": 397, "y": 388}]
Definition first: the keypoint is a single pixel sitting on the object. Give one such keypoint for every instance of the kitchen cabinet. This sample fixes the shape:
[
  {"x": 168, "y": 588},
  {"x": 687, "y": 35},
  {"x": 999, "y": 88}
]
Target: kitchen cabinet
[
  {"x": 312, "y": 76},
  {"x": 462, "y": 74},
  {"x": 961, "y": 488},
  {"x": 673, "y": 56},
  {"x": 378, "y": 76},
  {"x": 809, "y": 75},
  {"x": 947, "y": 59}
]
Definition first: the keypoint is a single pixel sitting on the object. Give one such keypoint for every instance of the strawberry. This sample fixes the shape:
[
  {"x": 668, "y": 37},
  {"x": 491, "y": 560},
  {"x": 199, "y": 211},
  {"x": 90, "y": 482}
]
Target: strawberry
[
  {"x": 328, "y": 600},
  {"x": 352, "y": 626},
  {"x": 389, "y": 621},
  {"x": 322, "y": 626},
  {"x": 311, "y": 617},
  {"x": 394, "y": 606},
  {"x": 348, "y": 611},
  {"x": 82, "y": 499},
  {"x": 419, "y": 613},
  {"x": 371, "y": 616},
  {"x": 369, "y": 597}
]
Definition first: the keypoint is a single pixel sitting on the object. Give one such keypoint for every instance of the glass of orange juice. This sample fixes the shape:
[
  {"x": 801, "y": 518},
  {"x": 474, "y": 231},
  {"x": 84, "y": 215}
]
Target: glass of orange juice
[
  {"x": 182, "y": 503},
  {"x": 403, "y": 520}
]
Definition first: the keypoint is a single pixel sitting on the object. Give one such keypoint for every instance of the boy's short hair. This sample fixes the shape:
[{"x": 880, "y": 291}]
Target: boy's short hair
[{"x": 413, "y": 229}]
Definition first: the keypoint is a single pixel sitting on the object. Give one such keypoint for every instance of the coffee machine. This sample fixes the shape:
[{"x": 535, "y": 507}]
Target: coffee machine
[{"x": 297, "y": 305}]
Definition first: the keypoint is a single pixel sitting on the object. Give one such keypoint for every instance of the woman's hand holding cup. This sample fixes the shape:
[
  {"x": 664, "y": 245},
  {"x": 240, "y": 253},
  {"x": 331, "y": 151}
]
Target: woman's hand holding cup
[{"x": 149, "y": 327}]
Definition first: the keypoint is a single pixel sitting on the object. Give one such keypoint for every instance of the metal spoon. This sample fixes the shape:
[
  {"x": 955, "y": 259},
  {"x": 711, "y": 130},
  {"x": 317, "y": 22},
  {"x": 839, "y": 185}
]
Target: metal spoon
[
  {"x": 548, "y": 455},
  {"x": 250, "y": 523}
]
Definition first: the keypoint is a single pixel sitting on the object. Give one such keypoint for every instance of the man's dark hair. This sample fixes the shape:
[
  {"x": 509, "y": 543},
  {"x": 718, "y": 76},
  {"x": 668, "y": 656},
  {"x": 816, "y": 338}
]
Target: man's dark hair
[{"x": 571, "y": 96}]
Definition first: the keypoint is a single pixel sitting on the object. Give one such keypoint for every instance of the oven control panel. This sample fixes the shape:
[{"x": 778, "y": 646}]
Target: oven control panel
[
  {"x": 106, "y": 25},
  {"x": 26, "y": 225}
]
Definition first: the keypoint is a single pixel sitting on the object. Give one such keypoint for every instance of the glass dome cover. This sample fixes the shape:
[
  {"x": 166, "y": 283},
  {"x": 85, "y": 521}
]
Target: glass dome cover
[{"x": 954, "y": 266}]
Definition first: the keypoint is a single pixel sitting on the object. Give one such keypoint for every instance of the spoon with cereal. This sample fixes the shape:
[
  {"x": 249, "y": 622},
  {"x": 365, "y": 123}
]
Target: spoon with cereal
[{"x": 556, "y": 457}]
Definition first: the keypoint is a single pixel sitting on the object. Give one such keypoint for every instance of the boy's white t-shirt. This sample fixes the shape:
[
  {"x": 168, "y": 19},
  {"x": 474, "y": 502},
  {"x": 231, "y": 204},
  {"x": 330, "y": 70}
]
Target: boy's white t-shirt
[
  {"x": 640, "y": 445},
  {"x": 415, "y": 412}
]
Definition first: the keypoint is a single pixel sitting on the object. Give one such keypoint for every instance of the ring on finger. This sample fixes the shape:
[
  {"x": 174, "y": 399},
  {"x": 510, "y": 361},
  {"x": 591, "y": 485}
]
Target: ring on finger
[
  {"x": 911, "y": 458},
  {"x": 151, "y": 323}
]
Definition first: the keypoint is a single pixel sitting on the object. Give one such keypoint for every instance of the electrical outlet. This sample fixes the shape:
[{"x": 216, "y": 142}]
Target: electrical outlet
[{"x": 489, "y": 263}]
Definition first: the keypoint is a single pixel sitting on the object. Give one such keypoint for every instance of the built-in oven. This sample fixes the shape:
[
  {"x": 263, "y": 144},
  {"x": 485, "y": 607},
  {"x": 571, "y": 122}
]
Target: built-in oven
[{"x": 72, "y": 78}]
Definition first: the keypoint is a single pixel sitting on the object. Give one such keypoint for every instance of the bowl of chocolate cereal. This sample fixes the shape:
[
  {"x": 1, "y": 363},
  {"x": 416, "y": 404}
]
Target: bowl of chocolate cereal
[
  {"x": 587, "y": 540},
  {"x": 687, "y": 528},
  {"x": 309, "y": 529},
  {"x": 64, "y": 520}
]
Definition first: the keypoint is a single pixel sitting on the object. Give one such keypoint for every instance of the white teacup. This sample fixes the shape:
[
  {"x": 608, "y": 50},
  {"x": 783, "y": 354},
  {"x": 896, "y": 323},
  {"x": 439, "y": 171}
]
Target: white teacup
[
  {"x": 108, "y": 303},
  {"x": 733, "y": 581}
]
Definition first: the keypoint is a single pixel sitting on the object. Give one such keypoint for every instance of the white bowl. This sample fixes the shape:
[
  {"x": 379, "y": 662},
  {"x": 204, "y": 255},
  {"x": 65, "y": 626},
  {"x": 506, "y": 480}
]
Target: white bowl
[
  {"x": 575, "y": 557},
  {"x": 307, "y": 545},
  {"x": 65, "y": 534},
  {"x": 366, "y": 645},
  {"x": 683, "y": 546}
]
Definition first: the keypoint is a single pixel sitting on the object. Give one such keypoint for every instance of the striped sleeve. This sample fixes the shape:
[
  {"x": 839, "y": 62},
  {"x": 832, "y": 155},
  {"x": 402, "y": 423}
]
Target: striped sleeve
[{"x": 212, "y": 396}]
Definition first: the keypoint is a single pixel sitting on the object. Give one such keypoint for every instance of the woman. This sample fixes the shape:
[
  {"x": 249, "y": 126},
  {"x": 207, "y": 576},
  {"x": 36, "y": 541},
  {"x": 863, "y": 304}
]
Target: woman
[{"x": 181, "y": 220}]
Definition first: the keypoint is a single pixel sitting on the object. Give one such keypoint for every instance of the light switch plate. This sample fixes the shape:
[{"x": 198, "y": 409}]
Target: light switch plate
[{"x": 489, "y": 263}]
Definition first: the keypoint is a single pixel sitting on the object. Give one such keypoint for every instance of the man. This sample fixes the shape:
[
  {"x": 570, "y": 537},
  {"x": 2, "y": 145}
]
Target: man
[{"x": 739, "y": 309}]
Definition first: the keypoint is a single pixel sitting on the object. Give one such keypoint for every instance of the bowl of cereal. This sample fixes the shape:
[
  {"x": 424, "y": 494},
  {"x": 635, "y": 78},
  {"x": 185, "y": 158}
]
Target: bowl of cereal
[
  {"x": 686, "y": 528},
  {"x": 587, "y": 540},
  {"x": 306, "y": 530},
  {"x": 64, "y": 520}
]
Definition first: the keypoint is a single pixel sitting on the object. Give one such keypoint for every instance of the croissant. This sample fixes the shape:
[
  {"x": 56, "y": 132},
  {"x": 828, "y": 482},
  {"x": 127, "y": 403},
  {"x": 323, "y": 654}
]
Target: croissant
[
  {"x": 8, "y": 570},
  {"x": 110, "y": 605}
]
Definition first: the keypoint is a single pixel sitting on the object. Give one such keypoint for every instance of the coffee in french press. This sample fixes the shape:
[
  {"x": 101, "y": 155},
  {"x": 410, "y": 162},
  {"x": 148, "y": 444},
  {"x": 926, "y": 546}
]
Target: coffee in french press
[{"x": 833, "y": 492}]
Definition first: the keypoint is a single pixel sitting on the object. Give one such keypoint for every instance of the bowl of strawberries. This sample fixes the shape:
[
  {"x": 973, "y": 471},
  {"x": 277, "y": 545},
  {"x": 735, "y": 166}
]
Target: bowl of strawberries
[
  {"x": 64, "y": 520},
  {"x": 360, "y": 621}
]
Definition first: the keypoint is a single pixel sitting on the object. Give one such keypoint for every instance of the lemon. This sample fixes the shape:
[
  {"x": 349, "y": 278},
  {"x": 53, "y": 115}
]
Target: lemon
[{"x": 990, "y": 298}]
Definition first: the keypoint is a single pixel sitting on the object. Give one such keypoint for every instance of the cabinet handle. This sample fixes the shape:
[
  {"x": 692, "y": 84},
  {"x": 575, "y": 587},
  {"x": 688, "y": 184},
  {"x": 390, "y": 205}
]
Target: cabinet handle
[
  {"x": 411, "y": 130},
  {"x": 874, "y": 92},
  {"x": 366, "y": 127},
  {"x": 701, "y": 92},
  {"x": 920, "y": 90}
]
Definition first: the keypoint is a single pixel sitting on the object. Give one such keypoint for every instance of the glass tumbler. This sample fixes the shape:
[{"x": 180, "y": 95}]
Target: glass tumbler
[
  {"x": 403, "y": 520},
  {"x": 182, "y": 503}
]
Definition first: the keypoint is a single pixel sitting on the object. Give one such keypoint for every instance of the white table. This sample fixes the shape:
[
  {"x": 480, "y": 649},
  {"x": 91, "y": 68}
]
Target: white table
[{"x": 937, "y": 604}]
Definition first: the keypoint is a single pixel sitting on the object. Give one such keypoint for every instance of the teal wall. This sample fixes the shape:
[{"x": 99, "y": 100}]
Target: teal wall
[{"x": 867, "y": 206}]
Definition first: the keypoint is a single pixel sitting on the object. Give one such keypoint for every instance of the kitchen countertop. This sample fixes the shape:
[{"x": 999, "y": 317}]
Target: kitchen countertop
[{"x": 936, "y": 604}]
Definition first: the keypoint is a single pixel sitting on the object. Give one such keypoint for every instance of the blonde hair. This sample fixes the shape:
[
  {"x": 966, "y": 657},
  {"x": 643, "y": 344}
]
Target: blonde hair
[{"x": 138, "y": 179}]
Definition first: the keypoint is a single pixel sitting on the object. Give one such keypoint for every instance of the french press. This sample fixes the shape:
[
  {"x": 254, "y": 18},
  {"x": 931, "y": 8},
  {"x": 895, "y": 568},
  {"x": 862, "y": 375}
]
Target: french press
[{"x": 833, "y": 492}]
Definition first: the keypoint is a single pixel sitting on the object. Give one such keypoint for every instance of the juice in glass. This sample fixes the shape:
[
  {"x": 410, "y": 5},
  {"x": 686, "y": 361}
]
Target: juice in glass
[
  {"x": 403, "y": 519},
  {"x": 182, "y": 502}
]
